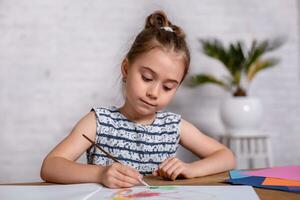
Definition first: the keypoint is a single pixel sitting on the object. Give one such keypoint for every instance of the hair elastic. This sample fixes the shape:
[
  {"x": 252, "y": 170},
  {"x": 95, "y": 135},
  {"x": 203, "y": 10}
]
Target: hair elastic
[{"x": 167, "y": 28}]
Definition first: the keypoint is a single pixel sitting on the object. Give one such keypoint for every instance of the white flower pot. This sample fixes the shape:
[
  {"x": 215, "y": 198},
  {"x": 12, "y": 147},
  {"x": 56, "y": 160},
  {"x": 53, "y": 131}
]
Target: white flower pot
[{"x": 241, "y": 115}]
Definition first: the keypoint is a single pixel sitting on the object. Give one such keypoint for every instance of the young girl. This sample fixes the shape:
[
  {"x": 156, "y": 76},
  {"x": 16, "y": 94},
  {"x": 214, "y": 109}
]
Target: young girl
[{"x": 139, "y": 134}]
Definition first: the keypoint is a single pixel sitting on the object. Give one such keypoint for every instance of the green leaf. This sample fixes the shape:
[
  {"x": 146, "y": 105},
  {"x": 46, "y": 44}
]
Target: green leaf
[
  {"x": 236, "y": 79},
  {"x": 261, "y": 65},
  {"x": 232, "y": 58},
  {"x": 240, "y": 61},
  {"x": 259, "y": 48},
  {"x": 215, "y": 49},
  {"x": 201, "y": 79}
]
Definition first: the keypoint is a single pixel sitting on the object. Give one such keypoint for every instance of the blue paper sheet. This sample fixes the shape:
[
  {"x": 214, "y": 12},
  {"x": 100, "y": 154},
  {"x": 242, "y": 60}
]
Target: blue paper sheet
[
  {"x": 237, "y": 174},
  {"x": 256, "y": 181}
]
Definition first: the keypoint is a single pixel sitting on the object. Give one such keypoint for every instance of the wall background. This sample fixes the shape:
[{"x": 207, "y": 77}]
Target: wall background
[{"x": 59, "y": 58}]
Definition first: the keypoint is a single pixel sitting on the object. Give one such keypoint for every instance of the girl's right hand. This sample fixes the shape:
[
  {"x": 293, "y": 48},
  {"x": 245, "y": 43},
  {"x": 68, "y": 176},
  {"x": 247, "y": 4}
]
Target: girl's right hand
[{"x": 120, "y": 176}]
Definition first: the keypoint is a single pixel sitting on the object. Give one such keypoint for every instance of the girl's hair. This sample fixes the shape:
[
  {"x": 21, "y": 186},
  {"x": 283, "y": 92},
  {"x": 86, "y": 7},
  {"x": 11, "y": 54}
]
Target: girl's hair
[{"x": 159, "y": 32}]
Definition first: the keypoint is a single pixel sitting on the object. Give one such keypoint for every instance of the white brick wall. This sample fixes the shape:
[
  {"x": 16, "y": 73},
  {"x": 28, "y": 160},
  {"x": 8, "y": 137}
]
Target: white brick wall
[{"x": 60, "y": 58}]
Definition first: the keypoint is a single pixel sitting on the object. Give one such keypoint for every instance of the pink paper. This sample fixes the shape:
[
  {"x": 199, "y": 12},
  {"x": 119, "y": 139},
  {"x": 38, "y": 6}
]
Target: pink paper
[{"x": 286, "y": 172}]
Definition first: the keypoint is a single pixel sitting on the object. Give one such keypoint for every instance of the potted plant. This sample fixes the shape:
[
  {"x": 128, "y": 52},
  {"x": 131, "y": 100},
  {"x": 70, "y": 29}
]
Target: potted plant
[{"x": 241, "y": 113}]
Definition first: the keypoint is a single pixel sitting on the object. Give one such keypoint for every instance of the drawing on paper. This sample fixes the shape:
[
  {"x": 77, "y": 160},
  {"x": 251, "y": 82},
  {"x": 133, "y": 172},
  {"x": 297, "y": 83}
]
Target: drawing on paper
[{"x": 157, "y": 192}]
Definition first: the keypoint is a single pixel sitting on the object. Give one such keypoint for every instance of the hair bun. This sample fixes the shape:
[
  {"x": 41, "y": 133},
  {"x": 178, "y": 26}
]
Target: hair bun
[
  {"x": 178, "y": 31},
  {"x": 158, "y": 19}
]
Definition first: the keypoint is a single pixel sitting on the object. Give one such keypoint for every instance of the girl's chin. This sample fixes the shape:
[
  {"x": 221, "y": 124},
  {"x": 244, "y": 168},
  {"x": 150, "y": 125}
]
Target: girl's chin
[{"x": 146, "y": 110}]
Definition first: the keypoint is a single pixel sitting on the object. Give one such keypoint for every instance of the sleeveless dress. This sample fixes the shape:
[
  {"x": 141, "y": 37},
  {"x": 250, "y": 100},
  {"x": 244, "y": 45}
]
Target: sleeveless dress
[{"x": 143, "y": 147}]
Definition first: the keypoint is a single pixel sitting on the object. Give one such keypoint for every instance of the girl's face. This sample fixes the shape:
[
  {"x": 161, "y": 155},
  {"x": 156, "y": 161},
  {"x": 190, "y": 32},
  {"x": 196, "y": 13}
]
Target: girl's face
[{"x": 152, "y": 80}]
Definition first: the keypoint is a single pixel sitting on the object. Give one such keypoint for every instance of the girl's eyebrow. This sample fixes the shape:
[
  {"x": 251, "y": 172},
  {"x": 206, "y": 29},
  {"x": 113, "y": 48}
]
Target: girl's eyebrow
[{"x": 155, "y": 74}]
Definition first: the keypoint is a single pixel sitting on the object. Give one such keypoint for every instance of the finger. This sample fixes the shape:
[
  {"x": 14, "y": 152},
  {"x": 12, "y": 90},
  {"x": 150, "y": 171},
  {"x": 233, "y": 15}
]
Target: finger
[
  {"x": 162, "y": 165},
  {"x": 155, "y": 173},
  {"x": 176, "y": 172},
  {"x": 118, "y": 183},
  {"x": 126, "y": 179},
  {"x": 165, "y": 162},
  {"x": 111, "y": 182},
  {"x": 160, "y": 173},
  {"x": 163, "y": 173},
  {"x": 131, "y": 172},
  {"x": 129, "y": 175},
  {"x": 172, "y": 168},
  {"x": 167, "y": 166}
]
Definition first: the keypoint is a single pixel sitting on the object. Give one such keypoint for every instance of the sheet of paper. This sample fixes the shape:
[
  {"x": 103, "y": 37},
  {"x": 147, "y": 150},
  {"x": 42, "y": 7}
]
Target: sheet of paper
[
  {"x": 49, "y": 192},
  {"x": 178, "y": 193},
  {"x": 96, "y": 192},
  {"x": 281, "y": 182},
  {"x": 237, "y": 174},
  {"x": 257, "y": 181},
  {"x": 285, "y": 172}
]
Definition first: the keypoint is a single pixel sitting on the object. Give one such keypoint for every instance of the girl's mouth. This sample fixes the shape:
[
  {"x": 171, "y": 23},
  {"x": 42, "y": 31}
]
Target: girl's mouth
[{"x": 147, "y": 103}]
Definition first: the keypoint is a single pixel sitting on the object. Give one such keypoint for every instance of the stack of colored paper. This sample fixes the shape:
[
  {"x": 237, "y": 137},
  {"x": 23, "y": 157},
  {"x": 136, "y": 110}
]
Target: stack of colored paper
[{"x": 286, "y": 178}]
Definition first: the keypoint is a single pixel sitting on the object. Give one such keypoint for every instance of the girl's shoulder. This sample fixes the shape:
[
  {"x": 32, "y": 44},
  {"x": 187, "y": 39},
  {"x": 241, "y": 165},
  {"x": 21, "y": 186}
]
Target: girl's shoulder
[
  {"x": 168, "y": 116},
  {"x": 104, "y": 109},
  {"x": 107, "y": 113}
]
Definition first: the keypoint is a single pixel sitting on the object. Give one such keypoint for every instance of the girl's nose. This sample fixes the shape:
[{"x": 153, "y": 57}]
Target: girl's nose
[{"x": 153, "y": 91}]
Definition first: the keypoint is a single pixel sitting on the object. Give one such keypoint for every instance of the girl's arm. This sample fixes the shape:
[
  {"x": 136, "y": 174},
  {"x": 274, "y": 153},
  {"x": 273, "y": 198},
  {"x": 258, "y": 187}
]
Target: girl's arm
[
  {"x": 60, "y": 167},
  {"x": 215, "y": 156}
]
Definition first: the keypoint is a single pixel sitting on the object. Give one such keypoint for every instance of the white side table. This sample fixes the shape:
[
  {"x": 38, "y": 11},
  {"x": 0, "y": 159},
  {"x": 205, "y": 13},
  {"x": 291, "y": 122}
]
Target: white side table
[{"x": 250, "y": 149}]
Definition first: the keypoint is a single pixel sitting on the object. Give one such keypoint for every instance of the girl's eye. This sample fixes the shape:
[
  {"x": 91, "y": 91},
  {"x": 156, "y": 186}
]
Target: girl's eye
[
  {"x": 146, "y": 78},
  {"x": 167, "y": 88}
]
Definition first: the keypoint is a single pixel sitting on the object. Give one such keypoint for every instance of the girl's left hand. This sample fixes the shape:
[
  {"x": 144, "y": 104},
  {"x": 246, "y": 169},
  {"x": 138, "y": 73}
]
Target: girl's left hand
[{"x": 173, "y": 167}]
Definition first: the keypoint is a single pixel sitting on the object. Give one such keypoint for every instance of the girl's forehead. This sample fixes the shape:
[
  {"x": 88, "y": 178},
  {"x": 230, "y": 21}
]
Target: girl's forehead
[{"x": 162, "y": 62}]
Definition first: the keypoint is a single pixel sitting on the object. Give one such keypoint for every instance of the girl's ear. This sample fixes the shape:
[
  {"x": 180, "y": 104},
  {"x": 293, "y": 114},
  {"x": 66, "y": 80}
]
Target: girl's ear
[{"x": 124, "y": 68}]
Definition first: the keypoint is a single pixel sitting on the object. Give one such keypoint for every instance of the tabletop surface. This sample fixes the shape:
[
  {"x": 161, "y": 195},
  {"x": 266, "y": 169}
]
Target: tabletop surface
[{"x": 217, "y": 179}]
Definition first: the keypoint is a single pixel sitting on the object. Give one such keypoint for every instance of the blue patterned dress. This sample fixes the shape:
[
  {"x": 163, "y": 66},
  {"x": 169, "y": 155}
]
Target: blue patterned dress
[{"x": 143, "y": 147}]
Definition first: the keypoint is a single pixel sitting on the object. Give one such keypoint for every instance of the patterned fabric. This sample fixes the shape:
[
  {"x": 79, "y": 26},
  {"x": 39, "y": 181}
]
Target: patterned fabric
[{"x": 143, "y": 147}]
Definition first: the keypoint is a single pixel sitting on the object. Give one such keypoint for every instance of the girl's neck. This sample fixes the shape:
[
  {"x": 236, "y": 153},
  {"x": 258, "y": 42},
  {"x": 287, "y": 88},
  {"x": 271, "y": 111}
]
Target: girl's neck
[{"x": 130, "y": 114}]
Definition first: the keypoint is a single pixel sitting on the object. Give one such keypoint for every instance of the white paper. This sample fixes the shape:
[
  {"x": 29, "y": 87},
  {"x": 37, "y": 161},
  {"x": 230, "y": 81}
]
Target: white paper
[
  {"x": 178, "y": 193},
  {"x": 97, "y": 192},
  {"x": 47, "y": 192}
]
